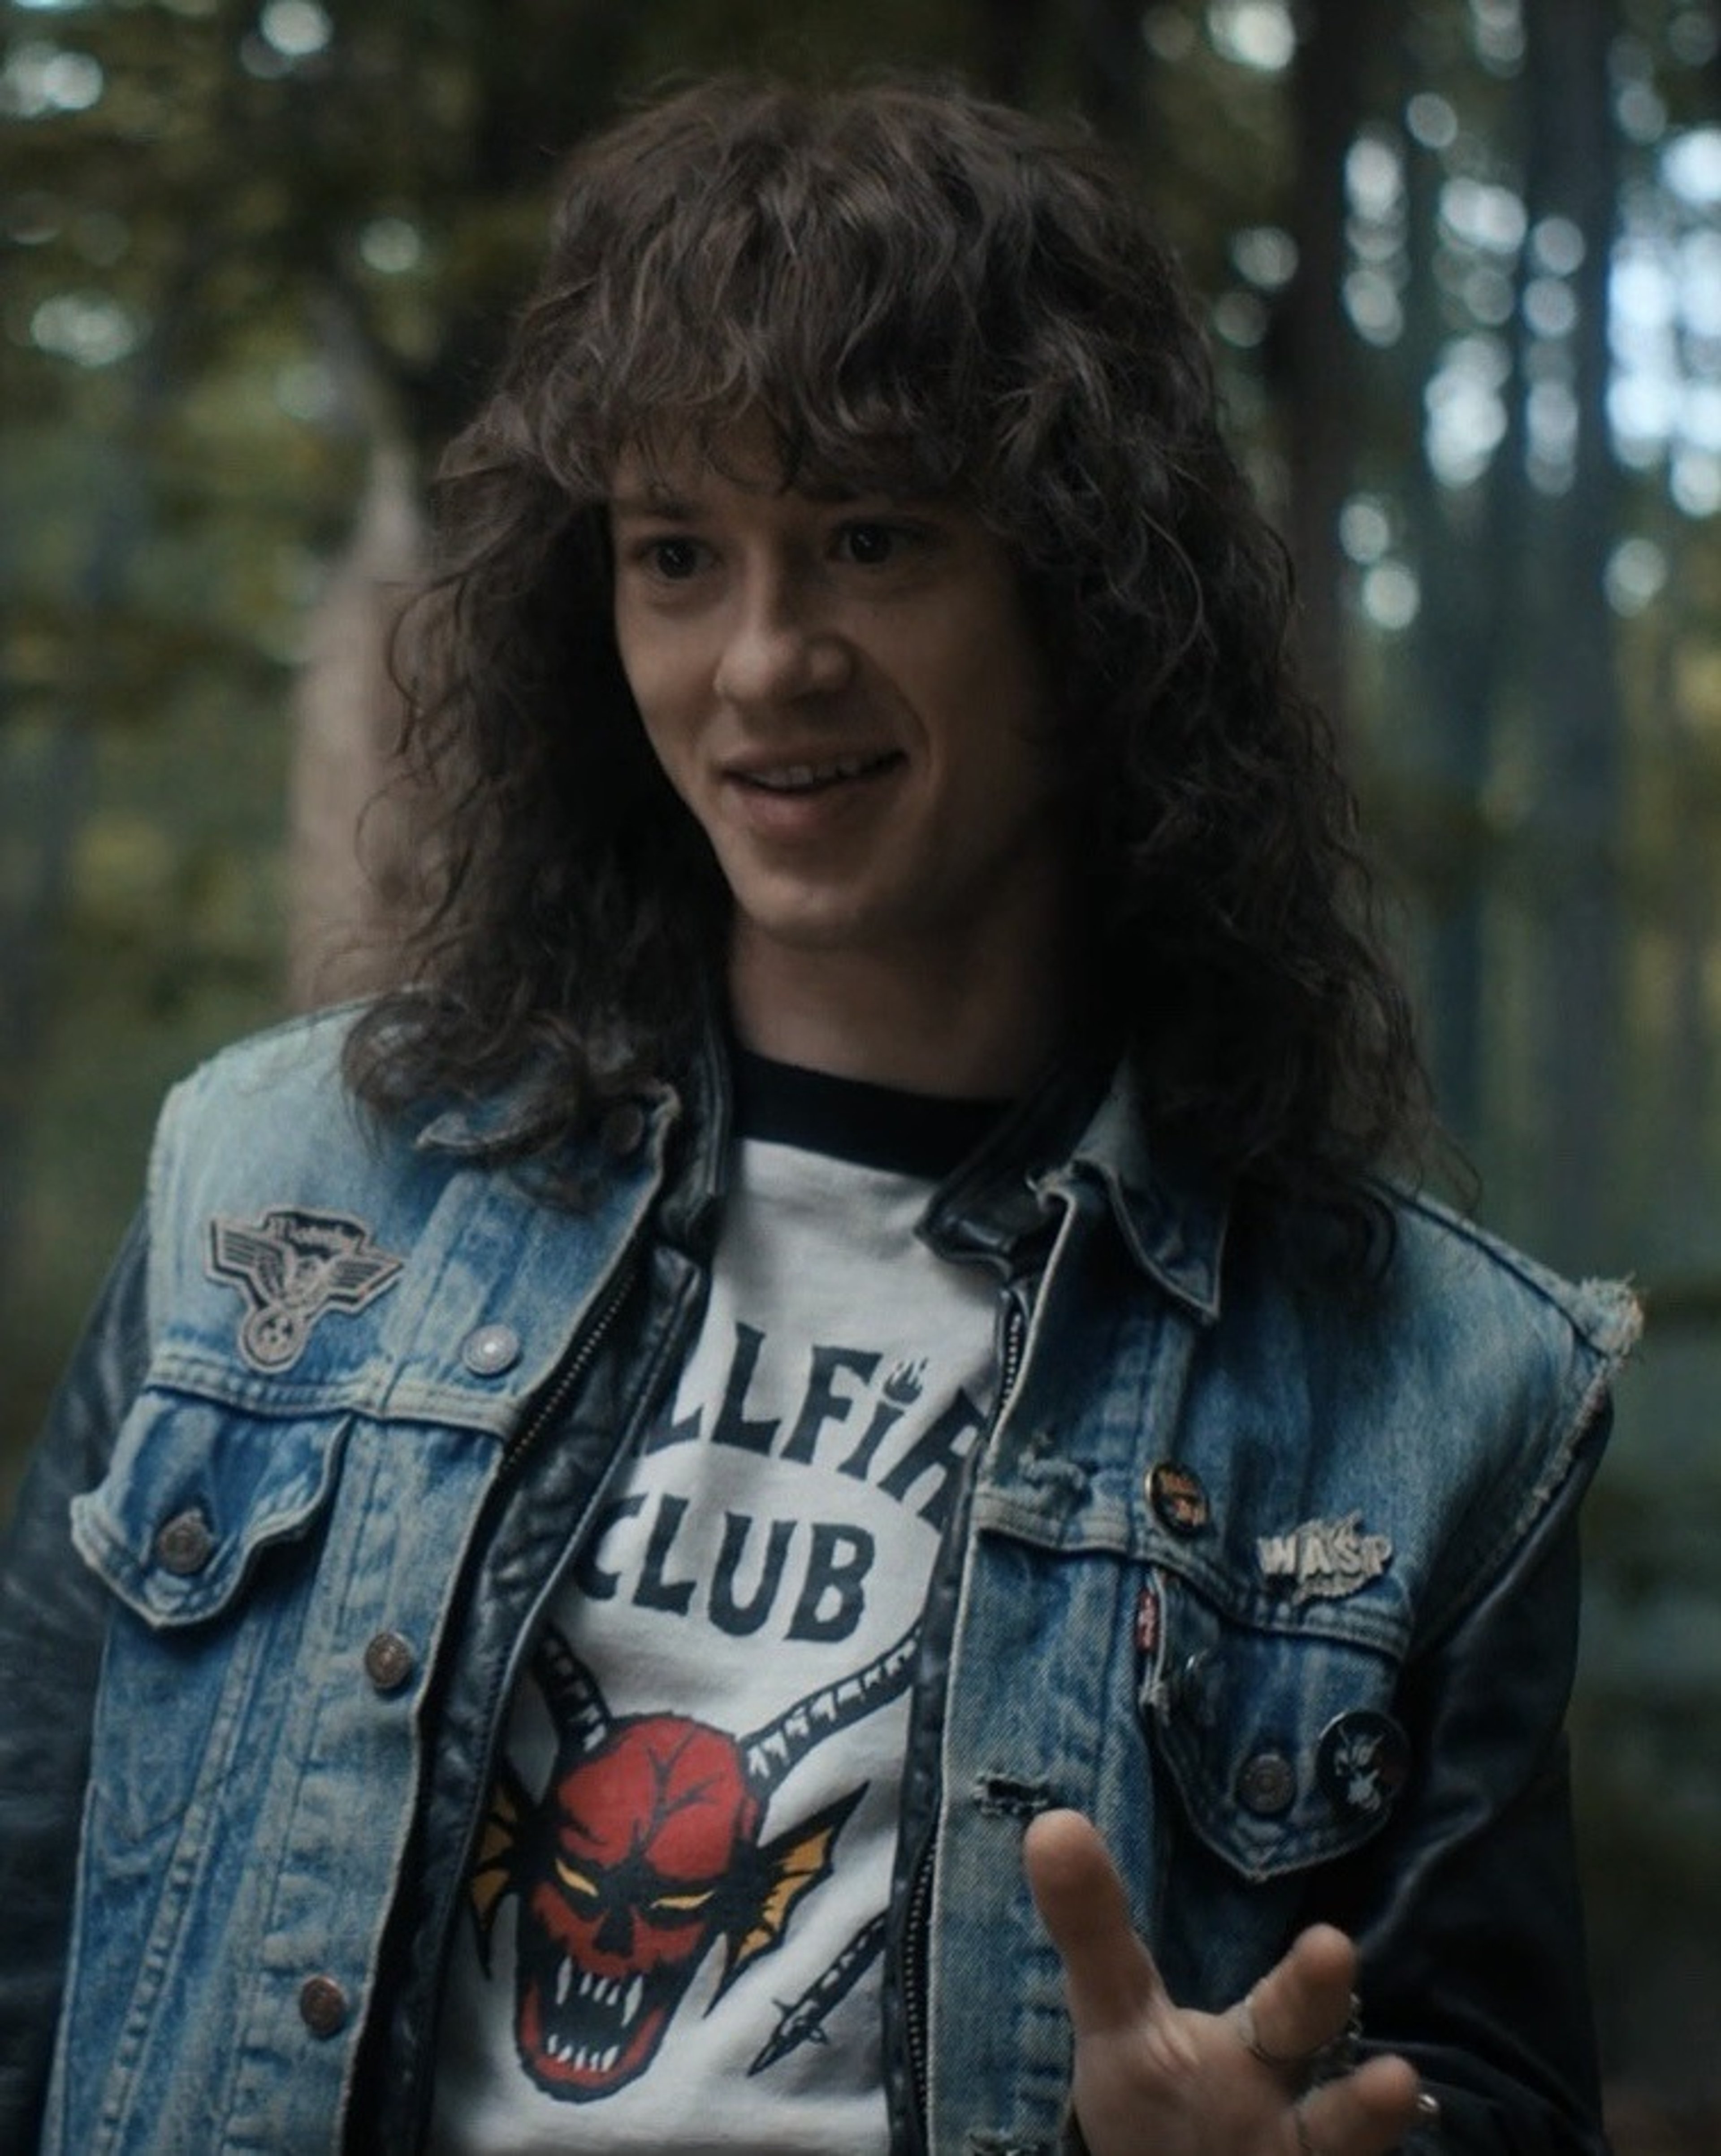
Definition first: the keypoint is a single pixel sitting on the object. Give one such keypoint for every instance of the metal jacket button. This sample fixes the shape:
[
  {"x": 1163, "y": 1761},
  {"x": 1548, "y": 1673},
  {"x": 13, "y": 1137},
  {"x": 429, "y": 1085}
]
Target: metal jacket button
[
  {"x": 1267, "y": 1784},
  {"x": 490, "y": 1350},
  {"x": 322, "y": 2006},
  {"x": 1193, "y": 1690},
  {"x": 185, "y": 1544},
  {"x": 389, "y": 1661}
]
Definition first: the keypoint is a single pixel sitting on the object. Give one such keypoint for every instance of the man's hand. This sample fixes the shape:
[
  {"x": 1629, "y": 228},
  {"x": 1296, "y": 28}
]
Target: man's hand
[{"x": 1150, "y": 2075}]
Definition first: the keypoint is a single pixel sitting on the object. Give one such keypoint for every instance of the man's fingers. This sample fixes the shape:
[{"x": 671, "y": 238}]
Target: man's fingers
[
  {"x": 1366, "y": 2114},
  {"x": 1303, "y": 2001},
  {"x": 1190, "y": 2072},
  {"x": 1111, "y": 1978}
]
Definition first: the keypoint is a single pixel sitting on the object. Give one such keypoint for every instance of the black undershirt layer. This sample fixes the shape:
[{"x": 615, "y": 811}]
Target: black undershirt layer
[{"x": 851, "y": 1119}]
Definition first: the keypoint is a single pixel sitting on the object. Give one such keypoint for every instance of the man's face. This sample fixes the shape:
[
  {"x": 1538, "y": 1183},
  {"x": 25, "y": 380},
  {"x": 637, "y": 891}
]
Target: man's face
[{"x": 845, "y": 692}]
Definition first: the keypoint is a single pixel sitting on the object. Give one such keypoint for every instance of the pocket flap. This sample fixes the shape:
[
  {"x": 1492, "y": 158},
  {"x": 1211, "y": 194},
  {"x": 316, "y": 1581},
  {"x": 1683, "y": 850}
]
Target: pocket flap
[
  {"x": 1283, "y": 1742},
  {"x": 195, "y": 1491}
]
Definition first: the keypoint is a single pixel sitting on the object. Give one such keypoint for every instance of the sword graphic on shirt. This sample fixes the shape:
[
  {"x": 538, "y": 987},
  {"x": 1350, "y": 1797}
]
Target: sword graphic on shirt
[
  {"x": 803, "y": 2020},
  {"x": 643, "y": 1852}
]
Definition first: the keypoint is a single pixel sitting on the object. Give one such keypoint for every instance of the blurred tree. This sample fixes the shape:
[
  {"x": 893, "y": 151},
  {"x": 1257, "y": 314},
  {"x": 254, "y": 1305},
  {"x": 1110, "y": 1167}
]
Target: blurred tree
[
  {"x": 1009, "y": 32},
  {"x": 1568, "y": 652},
  {"x": 1321, "y": 383},
  {"x": 306, "y": 232},
  {"x": 355, "y": 824}
]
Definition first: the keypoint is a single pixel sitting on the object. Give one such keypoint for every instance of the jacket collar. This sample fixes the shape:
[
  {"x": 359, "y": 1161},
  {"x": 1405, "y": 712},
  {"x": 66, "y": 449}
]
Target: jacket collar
[
  {"x": 498, "y": 1123},
  {"x": 1172, "y": 1211},
  {"x": 521, "y": 1113},
  {"x": 1078, "y": 1128},
  {"x": 1172, "y": 1214}
]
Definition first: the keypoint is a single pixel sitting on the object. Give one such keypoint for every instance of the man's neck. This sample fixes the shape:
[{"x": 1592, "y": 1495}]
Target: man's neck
[{"x": 956, "y": 1031}]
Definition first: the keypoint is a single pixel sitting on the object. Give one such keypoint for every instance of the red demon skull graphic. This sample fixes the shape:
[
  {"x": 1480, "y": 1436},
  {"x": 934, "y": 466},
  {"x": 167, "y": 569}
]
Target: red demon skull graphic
[{"x": 643, "y": 1852}]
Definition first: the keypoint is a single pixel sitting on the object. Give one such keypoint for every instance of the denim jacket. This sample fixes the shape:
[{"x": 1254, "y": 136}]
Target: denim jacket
[{"x": 1270, "y": 1568}]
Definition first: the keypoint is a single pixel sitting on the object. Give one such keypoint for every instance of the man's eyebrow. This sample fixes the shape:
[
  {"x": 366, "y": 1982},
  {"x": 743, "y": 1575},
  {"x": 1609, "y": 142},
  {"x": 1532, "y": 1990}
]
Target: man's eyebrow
[
  {"x": 651, "y": 503},
  {"x": 831, "y": 493}
]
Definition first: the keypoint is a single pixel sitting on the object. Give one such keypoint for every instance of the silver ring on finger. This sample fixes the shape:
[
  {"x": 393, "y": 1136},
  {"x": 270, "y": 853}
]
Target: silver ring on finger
[
  {"x": 1298, "y": 2064},
  {"x": 1335, "y": 2058}
]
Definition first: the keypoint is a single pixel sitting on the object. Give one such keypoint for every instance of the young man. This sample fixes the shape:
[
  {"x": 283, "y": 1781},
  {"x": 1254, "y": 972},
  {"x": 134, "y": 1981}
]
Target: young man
[{"x": 841, "y": 1364}]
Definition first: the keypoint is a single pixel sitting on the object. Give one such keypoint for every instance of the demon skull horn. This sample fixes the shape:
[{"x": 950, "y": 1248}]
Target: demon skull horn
[
  {"x": 769, "y": 1752},
  {"x": 577, "y": 1708}
]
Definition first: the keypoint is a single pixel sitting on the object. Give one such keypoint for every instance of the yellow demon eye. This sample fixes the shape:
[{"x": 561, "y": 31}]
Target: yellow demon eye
[
  {"x": 575, "y": 1882},
  {"x": 679, "y": 1905}
]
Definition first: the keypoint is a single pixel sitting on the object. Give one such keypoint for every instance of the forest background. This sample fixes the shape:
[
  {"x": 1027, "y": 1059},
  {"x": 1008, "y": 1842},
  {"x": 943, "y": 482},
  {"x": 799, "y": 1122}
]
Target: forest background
[{"x": 1464, "y": 262}]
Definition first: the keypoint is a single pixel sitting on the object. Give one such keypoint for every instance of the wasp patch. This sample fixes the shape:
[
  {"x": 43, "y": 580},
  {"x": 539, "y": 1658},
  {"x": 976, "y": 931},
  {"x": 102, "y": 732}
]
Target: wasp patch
[
  {"x": 1324, "y": 1559},
  {"x": 293, "y": 1266}
]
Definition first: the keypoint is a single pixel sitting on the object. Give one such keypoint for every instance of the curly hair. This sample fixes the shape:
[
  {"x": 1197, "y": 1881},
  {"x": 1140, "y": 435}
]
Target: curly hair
[{"x": 918, "y": 289}]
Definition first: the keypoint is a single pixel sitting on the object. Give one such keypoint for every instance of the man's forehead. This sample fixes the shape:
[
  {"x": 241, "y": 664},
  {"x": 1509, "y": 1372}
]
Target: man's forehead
[
  {"x": 682, "y": 468},
  {"x": 657, "y": 494}
]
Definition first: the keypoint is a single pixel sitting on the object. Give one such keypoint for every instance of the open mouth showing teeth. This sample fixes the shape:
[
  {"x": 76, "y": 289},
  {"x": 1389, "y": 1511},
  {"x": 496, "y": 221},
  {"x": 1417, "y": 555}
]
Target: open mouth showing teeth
[
  {"x": 813, "y": 778},
  {"x": 590, "y": 2033}
]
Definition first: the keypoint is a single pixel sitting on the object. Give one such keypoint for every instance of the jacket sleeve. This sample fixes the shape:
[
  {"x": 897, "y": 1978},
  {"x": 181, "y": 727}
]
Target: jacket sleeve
[
  {"x": 1467, "y": 1913},
  {"x": 53, "y": 1620}
]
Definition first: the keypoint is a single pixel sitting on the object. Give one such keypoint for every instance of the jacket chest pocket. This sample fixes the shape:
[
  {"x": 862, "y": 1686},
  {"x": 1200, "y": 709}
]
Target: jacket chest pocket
[
  {"x": 205, "y": 1533},
  {"x": 1280, "y": 1737}
]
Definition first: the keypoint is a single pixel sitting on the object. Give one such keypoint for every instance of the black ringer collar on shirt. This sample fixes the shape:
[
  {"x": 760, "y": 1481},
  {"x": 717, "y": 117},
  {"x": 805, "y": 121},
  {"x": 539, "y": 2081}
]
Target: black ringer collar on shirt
[{"x": 851, "y": 1119}]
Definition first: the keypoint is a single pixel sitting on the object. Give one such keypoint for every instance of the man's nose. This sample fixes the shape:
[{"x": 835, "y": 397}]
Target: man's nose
[{"x": 779, "y": 644}]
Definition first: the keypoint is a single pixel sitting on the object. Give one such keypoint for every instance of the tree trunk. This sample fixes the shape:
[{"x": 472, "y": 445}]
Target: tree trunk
[
  {"x": 1574, "y": 699},
  {"x": 1468, "y": 546},
  {"x": 1319, "y": 347},
  {"x": 121, "y": 528},
  {"x": 353, "y": 820},
  {"x": 1005, "y": 35},
  {"x": 1112, "y": 67}
]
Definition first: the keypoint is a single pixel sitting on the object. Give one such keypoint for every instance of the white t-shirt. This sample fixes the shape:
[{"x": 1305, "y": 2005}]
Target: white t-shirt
[{"x": 674, "y": 1937}]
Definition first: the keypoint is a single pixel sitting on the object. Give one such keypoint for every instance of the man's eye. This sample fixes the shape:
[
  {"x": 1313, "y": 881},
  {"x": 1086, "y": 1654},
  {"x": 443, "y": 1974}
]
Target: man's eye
[
  {"x": 673, "y": 559},
  {"x": 870, "y": 546}
]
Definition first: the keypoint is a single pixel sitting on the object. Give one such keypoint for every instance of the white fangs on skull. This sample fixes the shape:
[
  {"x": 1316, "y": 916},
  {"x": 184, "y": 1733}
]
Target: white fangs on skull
[{"x": 618, "y": 1998}]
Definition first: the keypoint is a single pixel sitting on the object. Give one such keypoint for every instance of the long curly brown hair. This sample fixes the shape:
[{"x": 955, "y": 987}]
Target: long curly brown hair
[{"x": 920, "y": 290}]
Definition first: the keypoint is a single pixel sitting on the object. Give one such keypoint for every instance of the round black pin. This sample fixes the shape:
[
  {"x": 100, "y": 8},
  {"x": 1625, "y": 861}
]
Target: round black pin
[{"x": 1362, "y": 1763}]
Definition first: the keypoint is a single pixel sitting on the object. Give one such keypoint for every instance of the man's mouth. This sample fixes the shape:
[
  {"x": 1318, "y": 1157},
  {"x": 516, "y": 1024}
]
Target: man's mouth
[{"x": 814, "y": 777}]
